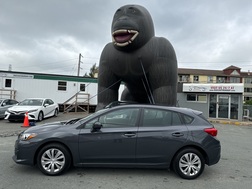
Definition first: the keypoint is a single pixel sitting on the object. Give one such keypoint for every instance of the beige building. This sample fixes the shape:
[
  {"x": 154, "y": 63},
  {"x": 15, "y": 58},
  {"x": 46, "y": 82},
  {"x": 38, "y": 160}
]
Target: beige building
[{"x": 217, "y": 93}]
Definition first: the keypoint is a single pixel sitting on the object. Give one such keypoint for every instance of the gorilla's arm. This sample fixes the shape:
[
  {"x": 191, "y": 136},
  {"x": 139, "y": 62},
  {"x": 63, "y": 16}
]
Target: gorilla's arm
[
  {"x": 108, "y": 83},
  {"x": 163, "y": 73}
]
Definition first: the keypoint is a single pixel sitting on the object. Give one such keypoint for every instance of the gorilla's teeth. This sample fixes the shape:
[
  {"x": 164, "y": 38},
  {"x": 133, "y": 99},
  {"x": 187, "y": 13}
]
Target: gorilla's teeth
[
  {"x": 134, "y": 36},
  {"x": 119, "y": 31},
  {"x": 123, "y": 44}
]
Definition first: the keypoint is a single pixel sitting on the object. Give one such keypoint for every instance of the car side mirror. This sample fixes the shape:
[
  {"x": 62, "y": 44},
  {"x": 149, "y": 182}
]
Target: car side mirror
[
  {"x": 46, "y": 105},
  {"x": 4, "y": 104},
  {"x": 96, "y": 126}
]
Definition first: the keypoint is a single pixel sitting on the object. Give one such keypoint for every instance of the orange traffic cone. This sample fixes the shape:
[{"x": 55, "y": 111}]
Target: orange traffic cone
[{"x": 26, "y": 120}]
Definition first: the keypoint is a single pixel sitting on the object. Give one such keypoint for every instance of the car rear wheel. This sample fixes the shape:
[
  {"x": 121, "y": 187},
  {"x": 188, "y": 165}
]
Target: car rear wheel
[
  {"x": 40, "y": 116},
  {"x": 189, "y": 163},
  {"x": 53, "y": 159}
]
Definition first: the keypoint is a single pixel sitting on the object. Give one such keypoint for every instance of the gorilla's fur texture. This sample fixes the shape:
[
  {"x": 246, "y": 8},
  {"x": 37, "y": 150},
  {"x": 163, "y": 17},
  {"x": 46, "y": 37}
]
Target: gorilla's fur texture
[{"x": 146, "y": 64}]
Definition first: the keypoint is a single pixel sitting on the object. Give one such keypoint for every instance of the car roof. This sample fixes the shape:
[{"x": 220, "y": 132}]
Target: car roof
[
  {"x": 173, "y": 108},
  {"x": 36, "y": 98}
]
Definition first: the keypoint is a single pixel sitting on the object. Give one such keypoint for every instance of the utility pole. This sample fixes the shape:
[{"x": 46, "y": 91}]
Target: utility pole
[{"x": 78, "y": 74}]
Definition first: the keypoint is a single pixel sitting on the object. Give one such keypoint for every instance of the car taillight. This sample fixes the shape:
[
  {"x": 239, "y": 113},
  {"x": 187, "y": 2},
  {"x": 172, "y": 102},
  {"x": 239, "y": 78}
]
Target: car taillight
[{"x": 211, "y": 131}]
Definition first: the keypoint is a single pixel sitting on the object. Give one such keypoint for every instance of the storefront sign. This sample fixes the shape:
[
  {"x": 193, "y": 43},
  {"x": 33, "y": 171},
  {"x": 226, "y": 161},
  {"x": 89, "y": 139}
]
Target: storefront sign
[{"x": 214, "y": 88}]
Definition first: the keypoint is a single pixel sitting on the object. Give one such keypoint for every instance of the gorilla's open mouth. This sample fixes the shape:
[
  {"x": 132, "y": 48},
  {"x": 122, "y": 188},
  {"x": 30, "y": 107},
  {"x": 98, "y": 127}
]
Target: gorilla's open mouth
[{"x": 124, "y": 37}]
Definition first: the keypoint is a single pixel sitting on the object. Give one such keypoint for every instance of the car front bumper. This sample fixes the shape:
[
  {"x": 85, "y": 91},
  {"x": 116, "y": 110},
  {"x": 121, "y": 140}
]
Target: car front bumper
[
  {"x": 24, "y": 152},
  {"x": 20, "y": 117}
]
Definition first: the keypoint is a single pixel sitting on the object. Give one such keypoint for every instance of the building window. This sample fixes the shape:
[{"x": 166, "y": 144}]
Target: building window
[
  {"x": 234, "y": 80},
  {"x": 62, "y": 85},
  {"x": 8, "y": 83},
  {"x": 195, "y": 78},
  {"x": 209, "y": 79},
  {"x": 82, "y": 87},
  {"x": 248, "y": 80},
  {"x": 183, "y": 78},
  {"x": 247, "y": 98},
  {"x": 248, "y": 90},
  {"x": 220, "y": 79},
  {"x": 196, "y": 97}
]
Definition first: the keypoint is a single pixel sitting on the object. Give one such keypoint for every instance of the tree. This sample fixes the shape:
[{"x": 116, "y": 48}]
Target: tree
[{"x": 93, "y": 72}]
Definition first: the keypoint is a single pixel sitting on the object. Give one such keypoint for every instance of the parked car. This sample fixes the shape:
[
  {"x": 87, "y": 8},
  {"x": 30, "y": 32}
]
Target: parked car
[
  {"x": 131, "y": 136},
  {"x": 37, "y": 109},
  {"x": 5, "y": 104}
]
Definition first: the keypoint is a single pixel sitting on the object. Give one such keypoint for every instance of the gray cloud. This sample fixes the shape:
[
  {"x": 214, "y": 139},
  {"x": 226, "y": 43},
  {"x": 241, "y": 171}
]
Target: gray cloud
[{"x": 47, "y": 36}]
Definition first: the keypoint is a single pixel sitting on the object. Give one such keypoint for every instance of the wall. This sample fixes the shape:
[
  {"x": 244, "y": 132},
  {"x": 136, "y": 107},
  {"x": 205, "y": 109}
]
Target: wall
[{"x": 200, "y": 106}]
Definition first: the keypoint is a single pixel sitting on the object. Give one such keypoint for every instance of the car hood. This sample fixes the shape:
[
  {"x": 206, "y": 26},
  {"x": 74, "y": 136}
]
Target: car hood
[
  {"x": 44, "y": 127},
  {"x": 23, "y": 108},
  {"x": 51, "y": 126}
]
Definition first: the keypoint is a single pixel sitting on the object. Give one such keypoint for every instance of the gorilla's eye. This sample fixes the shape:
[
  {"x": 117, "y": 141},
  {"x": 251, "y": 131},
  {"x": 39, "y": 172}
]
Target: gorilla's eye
[
  {"x": 132, "y": 10},
  {"x": 118, "y": 12}
]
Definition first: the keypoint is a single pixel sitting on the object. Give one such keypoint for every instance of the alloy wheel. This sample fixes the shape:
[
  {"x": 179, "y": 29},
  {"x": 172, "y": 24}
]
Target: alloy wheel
[
  {"x": 53, "y": 160},
  {"x": 190, "y": 164}
]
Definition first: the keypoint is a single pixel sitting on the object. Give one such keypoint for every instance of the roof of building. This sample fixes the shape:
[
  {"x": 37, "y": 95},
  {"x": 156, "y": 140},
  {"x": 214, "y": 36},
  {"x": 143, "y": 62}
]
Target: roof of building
[{"x": 190, "y": 71}]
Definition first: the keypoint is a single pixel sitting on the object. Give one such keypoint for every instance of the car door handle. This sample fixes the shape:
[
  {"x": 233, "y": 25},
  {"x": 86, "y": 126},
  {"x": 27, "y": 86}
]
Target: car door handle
[
  {"x": 130, "y": 134},
  {"x": 177, "y": 134}
]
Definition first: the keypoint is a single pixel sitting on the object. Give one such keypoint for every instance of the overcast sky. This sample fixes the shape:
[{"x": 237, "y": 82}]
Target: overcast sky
[{"x": 47, "y": 36}]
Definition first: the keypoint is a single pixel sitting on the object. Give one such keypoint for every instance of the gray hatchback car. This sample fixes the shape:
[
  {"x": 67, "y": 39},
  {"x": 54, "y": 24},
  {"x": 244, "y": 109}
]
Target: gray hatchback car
[{"x": 131, "y": 136}]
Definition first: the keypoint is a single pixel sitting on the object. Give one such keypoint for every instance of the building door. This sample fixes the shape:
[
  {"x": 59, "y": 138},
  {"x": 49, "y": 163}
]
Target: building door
[{"x": 223, "y": 106}]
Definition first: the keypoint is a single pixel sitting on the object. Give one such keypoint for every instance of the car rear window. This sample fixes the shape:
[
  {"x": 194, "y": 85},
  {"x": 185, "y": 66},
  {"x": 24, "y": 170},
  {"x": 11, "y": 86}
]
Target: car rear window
[
  {"x": 187, "y": 119},
  {"x": 202, "y": 117}
]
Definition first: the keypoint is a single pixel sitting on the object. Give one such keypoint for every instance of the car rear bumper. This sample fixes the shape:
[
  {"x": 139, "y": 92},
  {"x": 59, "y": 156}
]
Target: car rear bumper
[{"x": 214, "y": 153}]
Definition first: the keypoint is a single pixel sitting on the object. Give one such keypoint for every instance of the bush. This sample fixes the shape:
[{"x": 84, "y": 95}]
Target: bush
[{"x": 248, "y": 102}]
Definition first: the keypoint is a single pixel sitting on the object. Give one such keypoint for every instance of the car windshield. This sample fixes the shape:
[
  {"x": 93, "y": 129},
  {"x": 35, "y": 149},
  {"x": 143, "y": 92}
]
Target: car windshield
[
  {"x": 93, "y": 115},
  {"x": 31, "y": 102}
]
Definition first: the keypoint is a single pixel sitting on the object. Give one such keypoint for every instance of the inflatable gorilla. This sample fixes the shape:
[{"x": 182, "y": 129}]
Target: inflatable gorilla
[{"x": 146, "y": 64}]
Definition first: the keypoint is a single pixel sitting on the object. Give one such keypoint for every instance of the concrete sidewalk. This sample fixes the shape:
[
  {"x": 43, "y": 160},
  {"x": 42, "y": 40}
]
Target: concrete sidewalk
[{"x": 231, "y": 122}]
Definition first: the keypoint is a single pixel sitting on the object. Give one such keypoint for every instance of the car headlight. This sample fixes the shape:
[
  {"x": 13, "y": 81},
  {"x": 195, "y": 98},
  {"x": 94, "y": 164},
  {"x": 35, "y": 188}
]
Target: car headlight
[
  {"x": 30, "y": 111},
  {"x": 27, "y": 136}
]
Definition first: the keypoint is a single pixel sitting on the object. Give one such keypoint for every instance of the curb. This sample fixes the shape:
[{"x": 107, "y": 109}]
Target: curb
[{"x": 238, "y": 123}]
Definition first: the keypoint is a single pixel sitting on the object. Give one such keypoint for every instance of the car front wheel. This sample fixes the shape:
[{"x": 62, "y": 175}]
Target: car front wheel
[
  {"x": 189, "y": 163},
  {"x": 40, "y": 116},
  {"x": 53, "y": 159},
  {"x": 56, "y": 112}
]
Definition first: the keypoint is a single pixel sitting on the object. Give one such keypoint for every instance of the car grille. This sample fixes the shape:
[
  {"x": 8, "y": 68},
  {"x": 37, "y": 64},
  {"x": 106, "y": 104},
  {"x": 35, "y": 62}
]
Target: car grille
[{"x": 16, "y": 117}]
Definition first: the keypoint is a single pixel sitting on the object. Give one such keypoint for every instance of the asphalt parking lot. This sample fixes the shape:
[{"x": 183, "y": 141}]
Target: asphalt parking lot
[
  {"x": 233, "y": 171},
  {"x": 13, "y": 128}
]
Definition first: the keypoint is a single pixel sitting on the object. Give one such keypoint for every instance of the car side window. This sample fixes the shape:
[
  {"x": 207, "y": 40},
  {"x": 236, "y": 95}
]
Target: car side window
[
  {"x": 90, "y": 124},
  {"x": 13, "y": 102},
  {"x": 120, "y": 118},
  {"x": 6, "y": 102},
  {"x": 156, "y": 117},
  {"x": 49, "y": 101}
]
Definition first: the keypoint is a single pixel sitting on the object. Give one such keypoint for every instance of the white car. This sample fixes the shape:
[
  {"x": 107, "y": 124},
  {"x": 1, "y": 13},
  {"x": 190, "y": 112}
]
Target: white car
[{"x": 37, "y": 109}]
